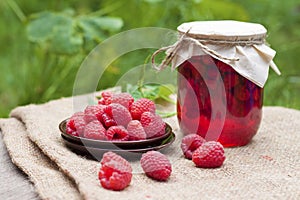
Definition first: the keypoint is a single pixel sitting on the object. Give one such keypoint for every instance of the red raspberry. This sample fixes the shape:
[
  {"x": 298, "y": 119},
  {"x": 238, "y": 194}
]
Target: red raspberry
[
  {"x": 120, "y": 114},
  {"x": 106, "y": 98},
  {"x": 106, "y": 117},
  {"x": 136, "y": 130},
  {"x": 117, "y": 133},
  {"x": 190, "y": 143},
  {"x": 242, "y": 92},
  {"x": 156, "y": 165},
  {"x": 209, "y": 155},
  {"x": 153, "y": 124},
  {"x": 125, "y": 99},
  {"x": 115, "y": 172},
  {"x": 237, "y": 108},
  {"x": 93, "y": 112},
  {"x": 108, "y": 121},
  {"x": 95, "y": 130},
  {"x": 230, "y": 80},
  {"x": 140, "y": 106},
  {"x": 75, "y": 125}
]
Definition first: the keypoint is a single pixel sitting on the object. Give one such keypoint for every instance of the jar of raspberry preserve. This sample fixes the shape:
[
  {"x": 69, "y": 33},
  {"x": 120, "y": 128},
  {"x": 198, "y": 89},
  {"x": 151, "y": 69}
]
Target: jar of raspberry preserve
[{"x": 222, "y": 68}]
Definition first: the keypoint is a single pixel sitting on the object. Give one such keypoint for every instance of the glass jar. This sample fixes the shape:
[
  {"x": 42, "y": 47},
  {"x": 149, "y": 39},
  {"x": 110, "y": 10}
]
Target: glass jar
[
  {"x": 222, "y": 68},
  {"x": 201, "y": 79}
]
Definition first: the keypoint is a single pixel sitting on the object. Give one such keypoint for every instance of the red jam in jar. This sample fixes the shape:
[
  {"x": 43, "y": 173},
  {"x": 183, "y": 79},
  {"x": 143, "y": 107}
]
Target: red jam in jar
[
  {"x": 213, "y": 97},
  {"x": 222, "y": 69}
]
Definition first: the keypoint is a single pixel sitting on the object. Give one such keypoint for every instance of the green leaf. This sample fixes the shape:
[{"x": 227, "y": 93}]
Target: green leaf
[
  {"x": 165, "y": 114},
  {"x": 165, "y": 91},
  {"x": 56, "y": 30},
  {"x": 41, "y": 27},
  {"x": 108, "y": 23},
  {"x": 94, "y": 26},
  {"x": 59, "y": 31},
  {"x": 150, "y": 91},
  {"x": 65, "y": 41},
  {"x": 134, "y": 91}
]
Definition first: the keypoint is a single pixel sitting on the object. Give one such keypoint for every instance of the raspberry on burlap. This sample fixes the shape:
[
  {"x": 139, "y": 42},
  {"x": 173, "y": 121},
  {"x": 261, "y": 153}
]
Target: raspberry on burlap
[
  {"x": 209, "y": 155},
  {"x": 190, "y": 143},
  {"x": 156, "y": 165},
  {"x": 115, "y": 172}
]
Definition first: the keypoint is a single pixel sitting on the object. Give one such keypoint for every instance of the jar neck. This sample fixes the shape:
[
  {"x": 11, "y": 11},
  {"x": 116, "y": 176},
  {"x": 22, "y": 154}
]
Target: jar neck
[{"x": 230, "y": 40}]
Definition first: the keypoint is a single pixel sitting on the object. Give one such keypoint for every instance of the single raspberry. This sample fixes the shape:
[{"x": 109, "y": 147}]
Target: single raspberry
[
  {"x": 156, "y": 165},
  {"x": 117, "y": 133},
  {"x": 125, "y": 99},
  {"x": 230, "y": 80},
  {"x": 106, "y": 117},
  {"x": 153, "y": 124},
  {"x": 242, "y": 92},
  {"x": 93, "y": 112},
  {"x": 140, "y": 106},
  {"x": 108, "y": 121},
  {"x": 115, "y": 172},
  {"x": 190, "y": 143},
  {"x": 209, "y": 155},
  {"x": 136, "y": 130},
  {"x": 238, "y": 108},
  {"x": 75, "y": 125},
  {"x": 120, "y": 114},
  {"x": 106, "y": 98},
  {"x": 95, "y": 130}
]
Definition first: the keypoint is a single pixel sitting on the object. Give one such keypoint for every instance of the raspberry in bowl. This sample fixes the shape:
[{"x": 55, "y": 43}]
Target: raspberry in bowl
[{"x": 117, "y": 122}]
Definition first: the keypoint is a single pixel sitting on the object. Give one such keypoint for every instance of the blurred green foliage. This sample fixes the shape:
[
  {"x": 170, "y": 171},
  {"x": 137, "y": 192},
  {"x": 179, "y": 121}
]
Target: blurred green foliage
[{"x": 44, "y": 42}]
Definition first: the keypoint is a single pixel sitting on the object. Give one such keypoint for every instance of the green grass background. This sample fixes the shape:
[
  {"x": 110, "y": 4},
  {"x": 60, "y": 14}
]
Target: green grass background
[{"x": 30, "y": 73}]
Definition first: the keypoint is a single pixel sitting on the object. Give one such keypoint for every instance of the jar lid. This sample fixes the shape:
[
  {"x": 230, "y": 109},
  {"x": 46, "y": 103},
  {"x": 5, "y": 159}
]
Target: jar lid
[{"x": 223, "y": 30}]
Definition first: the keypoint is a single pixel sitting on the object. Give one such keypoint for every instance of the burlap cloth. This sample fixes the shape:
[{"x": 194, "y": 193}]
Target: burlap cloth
[{"x": 267, "y": 168}]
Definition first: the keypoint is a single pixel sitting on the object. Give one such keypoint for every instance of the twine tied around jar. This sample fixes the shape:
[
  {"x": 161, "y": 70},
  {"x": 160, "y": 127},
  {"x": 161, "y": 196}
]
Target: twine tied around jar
[{"x": 173, "y": 49}]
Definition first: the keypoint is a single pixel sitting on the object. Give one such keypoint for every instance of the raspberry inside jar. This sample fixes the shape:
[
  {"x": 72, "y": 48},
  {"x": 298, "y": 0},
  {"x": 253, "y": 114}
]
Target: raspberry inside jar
[{"x": 204, "y": 84}]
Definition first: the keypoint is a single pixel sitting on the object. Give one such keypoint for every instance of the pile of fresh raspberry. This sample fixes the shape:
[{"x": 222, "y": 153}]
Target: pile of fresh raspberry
[
  {"x": 117, "y": 117},
  {"x": 204, "y": 154}
]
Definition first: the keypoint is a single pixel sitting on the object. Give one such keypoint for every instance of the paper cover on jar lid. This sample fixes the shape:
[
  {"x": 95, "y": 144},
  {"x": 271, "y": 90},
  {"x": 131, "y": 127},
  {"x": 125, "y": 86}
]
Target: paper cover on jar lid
[
  {"x": 223, "y": 30},
  {"x": 238, "y": 44}
]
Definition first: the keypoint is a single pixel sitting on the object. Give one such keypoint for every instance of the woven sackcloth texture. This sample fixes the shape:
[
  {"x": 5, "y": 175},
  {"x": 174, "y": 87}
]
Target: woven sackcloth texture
[
  {"x": 42, "y": 171},
  {"x": 267, "y": 168},
  {"x": 13, "y": 183}
]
